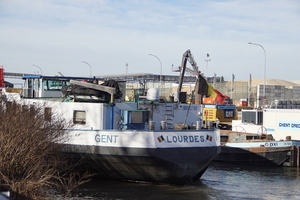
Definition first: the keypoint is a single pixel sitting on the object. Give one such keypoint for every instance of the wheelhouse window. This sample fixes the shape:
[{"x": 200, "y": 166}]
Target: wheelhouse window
[
  {"x": 54, "y": 85},
  {"x": 79, "y": 117}
]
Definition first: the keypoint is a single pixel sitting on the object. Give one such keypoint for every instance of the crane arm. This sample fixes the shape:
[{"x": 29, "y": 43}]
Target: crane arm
[
  {"x": 202, "y": 86},
  {"x": 187, "y": 56}
]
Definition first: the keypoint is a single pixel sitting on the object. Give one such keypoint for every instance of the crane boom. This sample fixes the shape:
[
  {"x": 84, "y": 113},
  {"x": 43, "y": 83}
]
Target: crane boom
[{"x": 187, "y": 56}]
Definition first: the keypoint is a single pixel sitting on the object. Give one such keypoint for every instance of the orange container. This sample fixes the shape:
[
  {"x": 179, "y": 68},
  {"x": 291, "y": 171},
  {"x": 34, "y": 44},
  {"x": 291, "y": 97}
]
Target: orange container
[
  {"x": 208, "y": 100},
  {"x": 243, "y": 103}
]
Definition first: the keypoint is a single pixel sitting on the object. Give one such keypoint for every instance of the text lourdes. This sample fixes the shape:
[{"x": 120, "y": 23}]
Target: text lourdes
[
  {"x": 106, "y": 138},
  {"x": 185, "y": 139}
]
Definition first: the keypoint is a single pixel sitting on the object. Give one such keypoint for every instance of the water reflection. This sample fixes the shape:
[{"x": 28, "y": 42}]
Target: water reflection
[{"x": 220, "y": 181}]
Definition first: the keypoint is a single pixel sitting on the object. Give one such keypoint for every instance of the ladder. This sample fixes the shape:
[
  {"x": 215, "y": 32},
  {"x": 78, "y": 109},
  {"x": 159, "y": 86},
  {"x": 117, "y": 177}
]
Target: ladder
[{"x": 169, "y": 115}]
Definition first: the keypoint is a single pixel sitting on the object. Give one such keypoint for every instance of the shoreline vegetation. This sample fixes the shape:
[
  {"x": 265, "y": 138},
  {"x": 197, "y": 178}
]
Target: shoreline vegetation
[{"x": 31, "y": 161}]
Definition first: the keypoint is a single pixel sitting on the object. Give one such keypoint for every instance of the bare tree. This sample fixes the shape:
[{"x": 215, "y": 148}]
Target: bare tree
[
  {"x": 31, "y": 138},
  {"x": 70, "y": 180}
]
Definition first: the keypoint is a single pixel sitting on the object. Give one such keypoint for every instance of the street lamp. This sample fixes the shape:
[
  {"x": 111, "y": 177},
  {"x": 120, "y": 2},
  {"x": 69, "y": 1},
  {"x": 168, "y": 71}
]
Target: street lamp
[
  {"x": 206, "y": 62},
  {"x": 126, "y": 64},
  {"x": 264, "y": 96},
  {"x": 90, "y": 67},
  {"x": 160, "y": 66},
  {"x": 39, "y": 68},
  {"x": 206, "y": 65}
]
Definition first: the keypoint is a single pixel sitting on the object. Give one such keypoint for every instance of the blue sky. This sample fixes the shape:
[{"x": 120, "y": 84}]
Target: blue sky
[{"x": 58, "y": 35}]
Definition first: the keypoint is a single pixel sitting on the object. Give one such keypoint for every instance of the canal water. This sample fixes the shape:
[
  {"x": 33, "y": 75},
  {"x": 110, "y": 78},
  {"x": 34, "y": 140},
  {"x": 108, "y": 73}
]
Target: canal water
[{"x": 220, "y": 181}]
